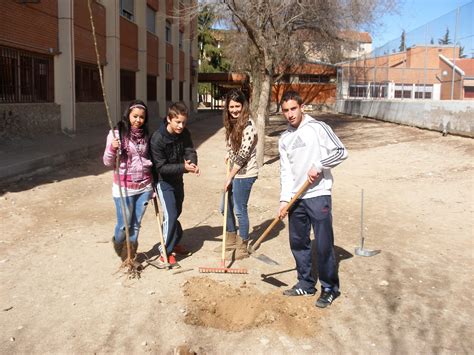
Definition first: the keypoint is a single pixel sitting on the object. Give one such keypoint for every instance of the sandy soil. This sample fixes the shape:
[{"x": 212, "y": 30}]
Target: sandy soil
[{"x": 62, "y": 290}]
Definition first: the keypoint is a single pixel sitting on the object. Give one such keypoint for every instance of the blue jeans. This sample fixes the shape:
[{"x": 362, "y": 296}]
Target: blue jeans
[
  {"x": 171, "y": 199},
  {"x": 315, "y": 212},
  {"x": 239, "y": 195},
  {"x": 135, "y": 207}
]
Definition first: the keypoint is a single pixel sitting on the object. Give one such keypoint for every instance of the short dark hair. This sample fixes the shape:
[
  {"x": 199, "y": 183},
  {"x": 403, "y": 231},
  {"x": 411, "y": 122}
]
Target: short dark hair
[
  {"x": 176, "y": 109},
  {"x": 291, "y": 95}
]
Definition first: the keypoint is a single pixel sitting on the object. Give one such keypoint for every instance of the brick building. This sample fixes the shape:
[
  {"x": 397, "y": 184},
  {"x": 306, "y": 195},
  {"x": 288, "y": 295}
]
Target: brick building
[
  {"x": 49, "y": 80},
  {"x": 432, "y": 72}
]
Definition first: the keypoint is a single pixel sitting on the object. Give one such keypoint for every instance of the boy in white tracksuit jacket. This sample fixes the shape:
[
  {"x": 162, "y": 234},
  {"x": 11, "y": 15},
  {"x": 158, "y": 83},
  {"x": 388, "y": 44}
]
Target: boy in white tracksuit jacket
[{"x": 308, "y": 150}]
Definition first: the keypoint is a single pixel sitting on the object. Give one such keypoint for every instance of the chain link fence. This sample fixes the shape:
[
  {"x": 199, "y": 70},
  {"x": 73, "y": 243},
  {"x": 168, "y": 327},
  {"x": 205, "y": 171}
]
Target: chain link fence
[{"x": 432, "y": 62}]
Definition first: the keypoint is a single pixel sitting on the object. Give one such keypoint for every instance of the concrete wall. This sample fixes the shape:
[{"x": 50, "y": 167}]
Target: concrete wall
[
  {"x": 29, "y": 120},
  {"x": 454, "y": 117},
  {"x": 90, "y": 114}
]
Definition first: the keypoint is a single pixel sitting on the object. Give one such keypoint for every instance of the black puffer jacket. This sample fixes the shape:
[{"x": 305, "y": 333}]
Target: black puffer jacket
[{"x": 168, "y": 153}]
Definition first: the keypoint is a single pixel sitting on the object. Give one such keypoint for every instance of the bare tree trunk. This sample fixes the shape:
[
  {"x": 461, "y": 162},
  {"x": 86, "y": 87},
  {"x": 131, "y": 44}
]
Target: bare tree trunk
[
  {"x": 262, "y": 110},
  {"x": 255, "y": 84}
]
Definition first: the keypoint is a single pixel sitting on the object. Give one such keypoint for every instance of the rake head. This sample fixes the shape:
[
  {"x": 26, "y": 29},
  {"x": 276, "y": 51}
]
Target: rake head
[{"x": 222, "y": 270}]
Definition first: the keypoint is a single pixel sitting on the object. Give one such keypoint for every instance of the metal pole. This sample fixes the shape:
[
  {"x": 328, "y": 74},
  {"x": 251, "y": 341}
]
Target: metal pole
[
  {"x": 425, "y": 61},
  {"x": 362, "y": 219},
  {"x": 454, "y": 53}
]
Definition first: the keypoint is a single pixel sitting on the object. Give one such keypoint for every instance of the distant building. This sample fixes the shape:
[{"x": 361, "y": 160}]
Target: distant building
[
  {"x": 420, "y": 72},
  {"x": 49, "y": 80}
]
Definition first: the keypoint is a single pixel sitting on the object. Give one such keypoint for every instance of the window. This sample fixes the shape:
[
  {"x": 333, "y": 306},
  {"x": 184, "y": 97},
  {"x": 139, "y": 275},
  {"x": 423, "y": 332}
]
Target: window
[
  {"x": 25, "y": 77},
  {"x": 314, "y": 78},
  {"x": 168, "y": 67},
  {"x": 181, "y": 36},
  {"x": 151, "y": 88},
  {"x": 150, "y": 19},
  {"x": 378, "y": 90},
  {"x": 403, "y": 91},
  {"x": 286, "y": 79},
  {"x": 88, "y": 86},
  {"x": 168, "y": 32},
  {"x": 126, "y": 9},
  {"x": 127, "y": 85},
  {"x": 358, "y": 90},
  {"x": 423, "y": 91},
  {"x": 181, "y": 89}
]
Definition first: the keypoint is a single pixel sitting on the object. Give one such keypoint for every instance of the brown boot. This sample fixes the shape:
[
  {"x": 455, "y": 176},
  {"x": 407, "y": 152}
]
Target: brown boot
[
  {"x": 117, "y": 247},
  {"x": 241, "y": 251},
  {"x": 230, "y": 241}
]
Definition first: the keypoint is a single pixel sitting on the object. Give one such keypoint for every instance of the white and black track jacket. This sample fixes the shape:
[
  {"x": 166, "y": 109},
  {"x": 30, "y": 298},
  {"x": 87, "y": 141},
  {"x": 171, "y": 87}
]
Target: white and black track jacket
[{"x": 312, "y": 144}]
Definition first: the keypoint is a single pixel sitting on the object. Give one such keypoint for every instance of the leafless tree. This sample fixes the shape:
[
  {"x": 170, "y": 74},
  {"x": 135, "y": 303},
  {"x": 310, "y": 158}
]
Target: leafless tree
[{"x": 270, "y": 36}]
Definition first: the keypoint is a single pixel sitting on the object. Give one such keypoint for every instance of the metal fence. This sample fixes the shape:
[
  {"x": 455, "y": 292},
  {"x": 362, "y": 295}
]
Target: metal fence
[{"x": 427, "y": 63}]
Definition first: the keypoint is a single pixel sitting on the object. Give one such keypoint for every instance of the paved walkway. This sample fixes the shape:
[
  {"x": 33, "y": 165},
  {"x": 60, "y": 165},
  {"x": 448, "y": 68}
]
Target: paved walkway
[{"x": 28, "y": 157}]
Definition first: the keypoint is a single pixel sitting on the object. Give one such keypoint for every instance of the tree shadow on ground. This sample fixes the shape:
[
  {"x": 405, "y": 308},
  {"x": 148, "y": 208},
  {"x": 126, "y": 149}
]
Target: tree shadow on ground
[
  {"x": 193, "y": 240},
  {"x": 341, "y": 254},
  {"x": 57, "y": 158}
]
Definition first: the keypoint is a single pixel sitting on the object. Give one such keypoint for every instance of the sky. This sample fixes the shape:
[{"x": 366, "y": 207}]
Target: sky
[{"x": 411, "y": 15}]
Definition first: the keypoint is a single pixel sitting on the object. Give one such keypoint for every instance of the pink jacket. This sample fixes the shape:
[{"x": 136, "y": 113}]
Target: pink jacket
[{"x": 135, "y": 165}]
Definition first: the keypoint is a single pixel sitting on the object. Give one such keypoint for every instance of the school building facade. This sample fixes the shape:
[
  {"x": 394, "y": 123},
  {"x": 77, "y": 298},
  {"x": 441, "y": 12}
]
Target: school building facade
[{"x": 49, "y": 79}]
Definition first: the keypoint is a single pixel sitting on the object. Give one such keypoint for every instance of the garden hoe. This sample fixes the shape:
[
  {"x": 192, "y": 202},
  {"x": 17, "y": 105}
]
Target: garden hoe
[
  {"x": 223, "y": 269},
  {"x": 265, "y": 234},
  {"x": 166, "y": 264},
  {"x": 360, "y": 251}
]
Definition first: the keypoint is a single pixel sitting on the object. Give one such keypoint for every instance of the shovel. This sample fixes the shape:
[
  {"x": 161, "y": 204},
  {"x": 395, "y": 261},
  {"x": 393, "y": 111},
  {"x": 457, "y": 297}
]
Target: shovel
[
  {"x": 252, "y": 248},
  {"x": 360, "y": 250}
]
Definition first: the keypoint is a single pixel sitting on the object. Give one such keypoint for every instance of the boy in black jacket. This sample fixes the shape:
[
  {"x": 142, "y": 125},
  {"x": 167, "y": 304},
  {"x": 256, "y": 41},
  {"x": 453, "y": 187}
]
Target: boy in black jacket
[{"x": 173, "y": 155}]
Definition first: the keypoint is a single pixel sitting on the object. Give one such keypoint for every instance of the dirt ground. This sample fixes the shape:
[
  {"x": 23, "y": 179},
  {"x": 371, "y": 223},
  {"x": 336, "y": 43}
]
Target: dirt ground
[{"x": 62, "y": 292}]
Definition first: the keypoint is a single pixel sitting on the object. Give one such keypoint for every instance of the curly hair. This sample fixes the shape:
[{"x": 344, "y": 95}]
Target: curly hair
[{"x": 234, "y": 127}]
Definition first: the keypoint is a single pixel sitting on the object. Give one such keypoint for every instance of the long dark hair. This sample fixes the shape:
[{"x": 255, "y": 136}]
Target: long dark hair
[
  {"x": 234, "y": 128},
  {"x": 124, "y": 126}
]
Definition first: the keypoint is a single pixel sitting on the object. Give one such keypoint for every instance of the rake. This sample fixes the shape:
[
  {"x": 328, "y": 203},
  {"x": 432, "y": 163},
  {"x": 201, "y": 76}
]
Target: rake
[
  {"x": 165, "y": 264},
  {"x": 222, "y": 269}
]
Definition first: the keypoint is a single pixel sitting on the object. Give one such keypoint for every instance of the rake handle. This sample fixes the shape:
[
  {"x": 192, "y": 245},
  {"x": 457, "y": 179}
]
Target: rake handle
[
  {"x": 224, "y": 224},
  {"x": 277, "y": 219},
  {"x": 160, "y": 231}
]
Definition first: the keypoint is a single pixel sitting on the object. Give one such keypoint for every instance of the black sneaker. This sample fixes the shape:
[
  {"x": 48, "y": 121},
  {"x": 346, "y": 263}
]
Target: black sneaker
[
  {"x": 326, "y": 298},
  {"x": 297, "y": 291}
]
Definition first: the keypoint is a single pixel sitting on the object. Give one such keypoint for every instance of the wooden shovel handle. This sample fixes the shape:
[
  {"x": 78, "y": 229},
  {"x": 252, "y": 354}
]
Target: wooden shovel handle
[{"x": 275, "y": 221}]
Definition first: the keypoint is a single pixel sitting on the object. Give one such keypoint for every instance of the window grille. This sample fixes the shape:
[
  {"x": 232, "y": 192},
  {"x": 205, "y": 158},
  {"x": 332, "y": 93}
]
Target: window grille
[
  {"x": 88, "y": 88},
  {"x": 25, "y": 76}
]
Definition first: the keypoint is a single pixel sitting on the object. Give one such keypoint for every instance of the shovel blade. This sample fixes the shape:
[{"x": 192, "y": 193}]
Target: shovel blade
[{"x": 366, "y": 252}]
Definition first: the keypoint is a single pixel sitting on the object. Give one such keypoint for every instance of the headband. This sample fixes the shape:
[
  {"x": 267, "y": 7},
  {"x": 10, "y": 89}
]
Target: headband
[{"x": 137, "y": 106}]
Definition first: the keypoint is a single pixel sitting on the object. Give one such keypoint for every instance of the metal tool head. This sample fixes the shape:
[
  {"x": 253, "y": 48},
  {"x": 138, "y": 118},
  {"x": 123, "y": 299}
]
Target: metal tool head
[
  {"x": 222, "y": 270},
  {"x": 159, "y": 264},
  {"x": 366, "y": 252}
]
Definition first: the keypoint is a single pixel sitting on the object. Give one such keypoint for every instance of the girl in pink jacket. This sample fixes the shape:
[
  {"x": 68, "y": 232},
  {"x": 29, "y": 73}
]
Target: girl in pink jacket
[{"x": 134, "y": 178}]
